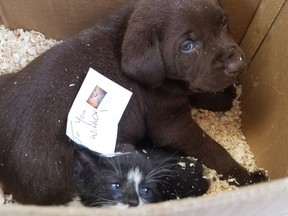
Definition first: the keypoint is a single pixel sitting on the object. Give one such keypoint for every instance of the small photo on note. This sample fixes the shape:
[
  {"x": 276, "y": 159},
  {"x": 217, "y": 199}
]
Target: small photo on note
[{"x": 96, "y": 97}]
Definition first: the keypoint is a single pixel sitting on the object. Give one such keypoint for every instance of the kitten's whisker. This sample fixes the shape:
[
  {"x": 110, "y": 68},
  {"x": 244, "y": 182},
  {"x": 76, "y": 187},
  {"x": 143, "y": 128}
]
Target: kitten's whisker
[
  {"x": 99, "y": 201},
  {"x": 119, "y": 167},
  {"x": 164, "y": 185},
  {"x": 163, "y": 165},
  {"x": 99, "y": 198},
  {"x": 100, "y": 204},
  {"x": 96, "y": 202},
  {"x": 115, "y": 166},
  {"x": 158, "y": 178},
  {"x": 157, "y": 171},
  {"x": 159, "y": 181}
]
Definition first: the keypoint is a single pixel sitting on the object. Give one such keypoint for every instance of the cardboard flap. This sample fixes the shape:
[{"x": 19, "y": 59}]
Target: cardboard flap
[
  {"x": 263, "y": 199},
  {"x": 264, "y": 98},
  {"x": 238, "y": 22},
  {"x": 57, "y": 19},
  {"x": 261, "y": 23}
]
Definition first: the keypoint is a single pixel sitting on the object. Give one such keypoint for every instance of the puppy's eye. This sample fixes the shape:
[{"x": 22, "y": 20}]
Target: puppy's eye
[
  {"x": 187, "y": 46},
  {"x": 115, "y": 186}
]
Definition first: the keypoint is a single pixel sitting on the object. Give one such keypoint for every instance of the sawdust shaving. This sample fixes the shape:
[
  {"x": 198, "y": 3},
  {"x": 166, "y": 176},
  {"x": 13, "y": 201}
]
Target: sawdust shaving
[
  {"x": 18, "y": 48},
  {"x": 225, "y": 128}
]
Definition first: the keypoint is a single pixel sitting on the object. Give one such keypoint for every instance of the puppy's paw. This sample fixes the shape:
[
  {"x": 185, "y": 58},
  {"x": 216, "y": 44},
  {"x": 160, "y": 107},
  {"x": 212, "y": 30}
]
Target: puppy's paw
[
  {"x": 257, "y": 177},
  {"x": 184, "y": 179},
  {"x": 250, "y": 178}
]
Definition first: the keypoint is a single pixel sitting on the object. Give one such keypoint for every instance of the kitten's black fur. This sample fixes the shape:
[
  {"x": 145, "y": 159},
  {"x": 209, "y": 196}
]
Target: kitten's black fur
[{"x": 104, "y": 181}]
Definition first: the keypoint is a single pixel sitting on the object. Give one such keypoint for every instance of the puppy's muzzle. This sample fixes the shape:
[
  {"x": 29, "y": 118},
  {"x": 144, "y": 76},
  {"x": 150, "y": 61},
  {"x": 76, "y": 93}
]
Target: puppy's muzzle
[{"x": 231, "y": 60}]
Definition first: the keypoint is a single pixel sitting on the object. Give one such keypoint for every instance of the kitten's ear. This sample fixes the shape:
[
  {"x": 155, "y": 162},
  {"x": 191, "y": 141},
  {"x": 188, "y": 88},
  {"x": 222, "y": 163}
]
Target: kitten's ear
[
  {"x": 141, "y": 51},
  {"x": 84, "y": 159}
]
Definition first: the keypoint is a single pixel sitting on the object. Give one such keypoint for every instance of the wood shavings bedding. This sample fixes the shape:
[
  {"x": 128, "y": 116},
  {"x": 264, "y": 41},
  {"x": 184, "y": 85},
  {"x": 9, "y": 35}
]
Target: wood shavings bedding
[
  {"x": 225, "y": 128},
  {"x": 18, "y": 48}
]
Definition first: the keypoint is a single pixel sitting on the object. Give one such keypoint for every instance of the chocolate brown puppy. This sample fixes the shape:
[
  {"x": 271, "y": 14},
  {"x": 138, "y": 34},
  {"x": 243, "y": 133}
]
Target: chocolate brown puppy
[{"x": 162, "y": 51}]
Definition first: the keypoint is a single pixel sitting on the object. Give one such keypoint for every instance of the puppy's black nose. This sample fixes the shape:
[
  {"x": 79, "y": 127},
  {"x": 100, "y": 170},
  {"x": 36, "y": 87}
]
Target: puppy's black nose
[
  {"x": 232, "y": 61},
  {"x": 234, "y": 67}
]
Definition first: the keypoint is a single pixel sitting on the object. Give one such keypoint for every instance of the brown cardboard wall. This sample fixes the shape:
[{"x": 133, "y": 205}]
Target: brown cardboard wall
[
  {"x": 265, "y": 101},
  {"x": 261, "y": 24},
  {"x": 59, "y": 19},
  {"x": 235, "y": 10},
  {"x": 262, "y": 199},
  {"x": 56, "y": 19}
]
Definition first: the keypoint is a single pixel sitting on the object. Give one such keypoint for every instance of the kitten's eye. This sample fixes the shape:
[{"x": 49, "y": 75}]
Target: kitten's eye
[
  {"x": 187, "y": 46},
  {"x": 115, "y": 186},
  {"x": 145, "y": 191}
]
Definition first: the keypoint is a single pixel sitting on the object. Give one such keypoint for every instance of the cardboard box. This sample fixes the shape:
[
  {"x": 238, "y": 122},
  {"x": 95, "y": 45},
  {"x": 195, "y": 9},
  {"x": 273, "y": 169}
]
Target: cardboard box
[
  {"x": 56, "y": 19},
  {"x": 60, "y": 19},
  {"x": 261, "y": 26}
]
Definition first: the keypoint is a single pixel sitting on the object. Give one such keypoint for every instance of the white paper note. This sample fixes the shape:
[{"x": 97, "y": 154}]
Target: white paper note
[{"x": 96, "y": 111}]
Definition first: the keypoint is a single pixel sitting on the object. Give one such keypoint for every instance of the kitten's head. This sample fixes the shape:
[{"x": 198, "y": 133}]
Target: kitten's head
[{"x": 124, "y": 180}]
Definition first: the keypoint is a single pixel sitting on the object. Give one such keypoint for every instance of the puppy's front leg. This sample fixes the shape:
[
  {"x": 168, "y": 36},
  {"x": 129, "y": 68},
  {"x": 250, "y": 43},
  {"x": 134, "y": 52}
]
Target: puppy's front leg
[{"x": 178, "y": 131}]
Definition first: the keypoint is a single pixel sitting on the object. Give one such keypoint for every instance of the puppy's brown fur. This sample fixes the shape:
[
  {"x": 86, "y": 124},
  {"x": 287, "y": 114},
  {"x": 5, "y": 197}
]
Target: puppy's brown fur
[{"x": 160, "y": 50}]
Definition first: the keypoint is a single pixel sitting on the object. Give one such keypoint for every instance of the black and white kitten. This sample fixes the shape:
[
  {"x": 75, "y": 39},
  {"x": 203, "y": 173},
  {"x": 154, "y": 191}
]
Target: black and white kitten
[
  {"x": 131, "y": 179},
  {"x": 120, "y": 180}
]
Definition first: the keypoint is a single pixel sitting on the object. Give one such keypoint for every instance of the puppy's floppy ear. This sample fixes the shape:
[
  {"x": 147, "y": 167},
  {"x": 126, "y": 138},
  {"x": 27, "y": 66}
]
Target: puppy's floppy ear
[{"x": 141, "y": 52}]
